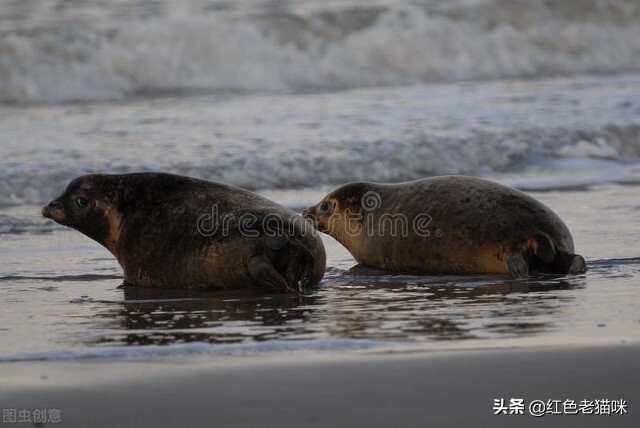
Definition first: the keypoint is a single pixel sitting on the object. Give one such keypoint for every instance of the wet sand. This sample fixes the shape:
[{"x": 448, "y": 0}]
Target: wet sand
[{"x": 454, "y": 388}]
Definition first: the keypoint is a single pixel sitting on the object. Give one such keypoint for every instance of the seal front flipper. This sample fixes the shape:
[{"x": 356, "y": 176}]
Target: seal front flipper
[
  {"x": 290, "y": 260},
  {"x": 263, "y": 272},
  {"x": 285, "y": 259},
  {"x": 518, "y": 266}
]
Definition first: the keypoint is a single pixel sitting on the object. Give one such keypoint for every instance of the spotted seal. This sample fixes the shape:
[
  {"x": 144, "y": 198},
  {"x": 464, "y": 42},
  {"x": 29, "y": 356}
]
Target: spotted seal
[
  {"x": 447, "y": 224},
  {"x": 168, "y": 231}
]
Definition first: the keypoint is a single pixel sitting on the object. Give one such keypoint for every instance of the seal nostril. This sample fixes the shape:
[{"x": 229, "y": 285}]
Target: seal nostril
[{"x": 53, "y": 205}]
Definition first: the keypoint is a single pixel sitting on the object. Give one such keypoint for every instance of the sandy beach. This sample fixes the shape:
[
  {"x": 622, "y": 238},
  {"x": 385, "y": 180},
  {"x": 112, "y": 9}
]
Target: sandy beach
[{"x": 310, "y": 390}]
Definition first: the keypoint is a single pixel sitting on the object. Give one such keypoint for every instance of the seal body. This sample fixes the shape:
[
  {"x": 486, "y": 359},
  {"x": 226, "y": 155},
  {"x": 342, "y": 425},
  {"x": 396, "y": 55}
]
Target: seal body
[
  {"x": 171, "y": 231},
  {"x": 447, "y": 224}
]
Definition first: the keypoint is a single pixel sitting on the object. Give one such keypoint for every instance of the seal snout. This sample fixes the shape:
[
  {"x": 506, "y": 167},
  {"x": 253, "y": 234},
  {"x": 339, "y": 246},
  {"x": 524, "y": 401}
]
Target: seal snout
[
  {"x": 309, "y": 215},
  {"x": 318, "y": 221},
  {"x": 54, "y": 207}
]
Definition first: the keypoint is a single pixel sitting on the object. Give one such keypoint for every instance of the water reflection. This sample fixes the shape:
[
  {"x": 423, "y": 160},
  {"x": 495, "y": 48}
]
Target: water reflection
[
  {"x": 154, "y": 316},
  {"x": 365, "y": 306}
]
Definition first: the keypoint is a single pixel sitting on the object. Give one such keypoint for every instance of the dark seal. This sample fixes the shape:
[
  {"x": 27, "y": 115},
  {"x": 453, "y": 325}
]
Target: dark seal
[
  {"x": 178, "y": 232},
  {"x": 447, "y": 224}
]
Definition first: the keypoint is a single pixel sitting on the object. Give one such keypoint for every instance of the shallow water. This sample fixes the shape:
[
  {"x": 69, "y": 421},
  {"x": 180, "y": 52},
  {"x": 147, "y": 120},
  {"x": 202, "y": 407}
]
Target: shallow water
[{"x": 60, "y": 298}]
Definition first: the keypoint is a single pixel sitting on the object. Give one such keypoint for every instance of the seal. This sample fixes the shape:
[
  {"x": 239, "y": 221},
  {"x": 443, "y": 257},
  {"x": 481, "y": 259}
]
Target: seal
[
  {"x": 447, "y": 224},
  {"x": 178, "y": 232}
]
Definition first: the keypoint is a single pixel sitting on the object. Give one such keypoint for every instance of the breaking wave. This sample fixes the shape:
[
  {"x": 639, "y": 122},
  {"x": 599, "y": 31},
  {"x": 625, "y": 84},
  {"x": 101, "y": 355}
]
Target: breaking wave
[
  {"x": 302, "y": 46},
  {"x": 575, "y": 156}
]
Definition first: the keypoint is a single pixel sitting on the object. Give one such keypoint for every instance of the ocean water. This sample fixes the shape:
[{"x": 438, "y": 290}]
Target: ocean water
[{"x": 293, "y": 98}]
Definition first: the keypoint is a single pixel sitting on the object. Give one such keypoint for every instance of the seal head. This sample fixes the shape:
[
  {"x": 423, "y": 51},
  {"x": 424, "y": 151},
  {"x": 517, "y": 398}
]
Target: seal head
[
  {"x": 86, "y": 206},
  {"x": 340, "y": 215}
]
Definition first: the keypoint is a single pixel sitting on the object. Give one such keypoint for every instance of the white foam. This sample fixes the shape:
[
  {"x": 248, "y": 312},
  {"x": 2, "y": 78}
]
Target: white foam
[
  {"x": 195, "y": 348},
  {"x": 593, "y": 149},
  {"x": 301, "y": 48}
]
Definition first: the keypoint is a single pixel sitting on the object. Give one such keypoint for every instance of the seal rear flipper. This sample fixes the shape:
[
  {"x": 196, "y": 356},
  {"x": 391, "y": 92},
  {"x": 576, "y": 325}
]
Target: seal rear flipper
[
  {"x": 564, "y": 263},
  {"x": 578, "y": 264},
  {"x": 263, "y": 272},
  {"x": 518, "y": 266},
  {"x": 543, "y": 247}
]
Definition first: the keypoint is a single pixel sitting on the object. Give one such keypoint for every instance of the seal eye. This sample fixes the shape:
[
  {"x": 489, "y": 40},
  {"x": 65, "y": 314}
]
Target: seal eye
[
  {"x": 82, "y": 202},
  {"x": 325, "y": 207}
]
